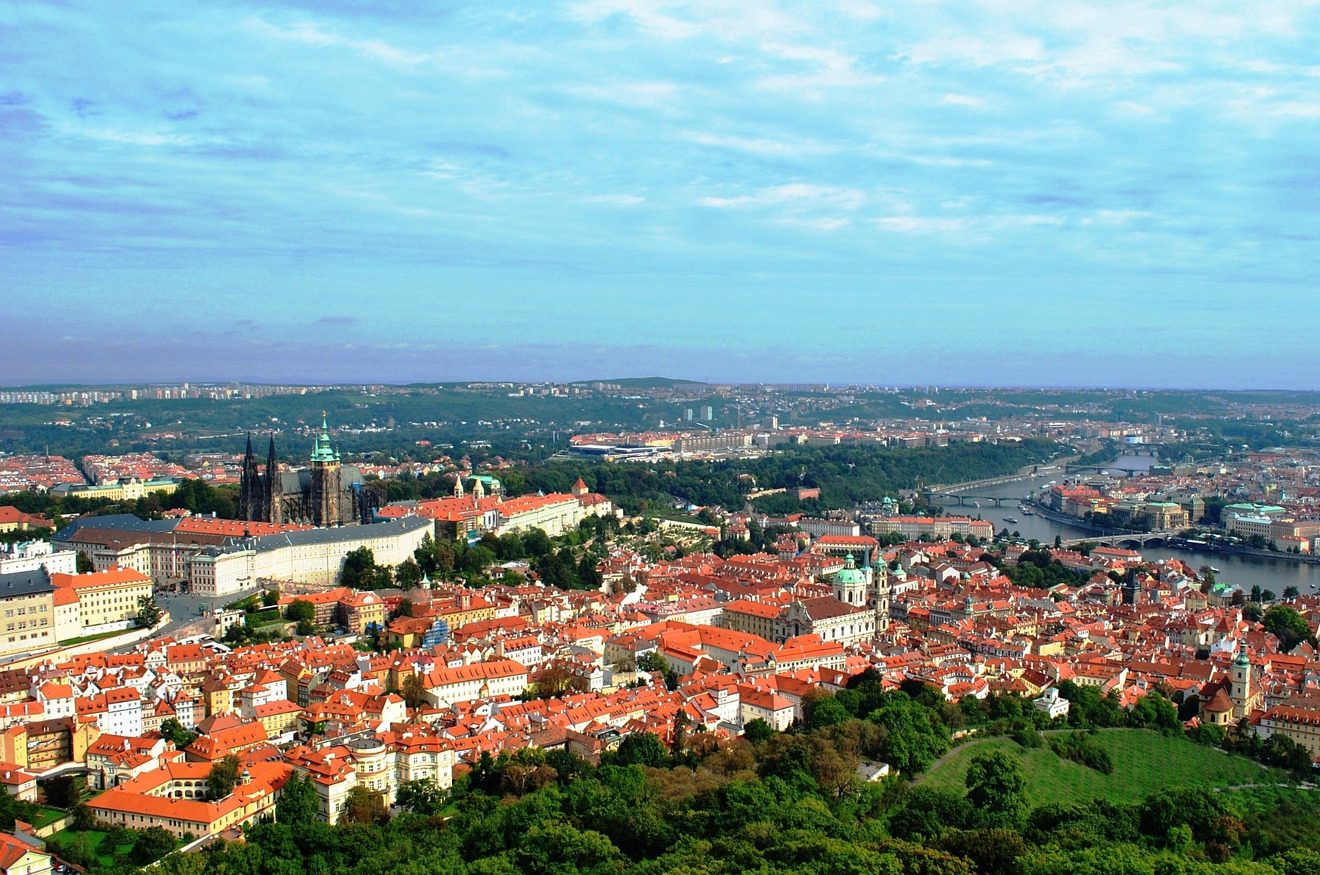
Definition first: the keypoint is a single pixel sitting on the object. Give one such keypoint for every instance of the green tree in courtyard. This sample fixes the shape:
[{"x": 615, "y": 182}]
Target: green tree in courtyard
[
  {"x": 149, "y": 613},
  {"x": 223, "y": 777},
  {"x": 151, "y": 844},
  {"x": 298, "y": 801},
  {"x": 300, "y": 610}
]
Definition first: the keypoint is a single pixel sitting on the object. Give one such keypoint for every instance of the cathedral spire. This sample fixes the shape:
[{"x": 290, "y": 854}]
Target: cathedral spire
[
  {"x": 249, "y": 485},
  {"x": 322, "y": 451},
  {"x": 266, "y": 496}
]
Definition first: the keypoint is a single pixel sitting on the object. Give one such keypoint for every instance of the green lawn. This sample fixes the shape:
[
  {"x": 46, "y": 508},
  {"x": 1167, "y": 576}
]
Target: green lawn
[
  {"x": 263, "y": 618},
  {"x": 84, "y": 639},
  {"x": 46, "y": 815},
  {"x": 1144, "y": 763},
  {"x": 96, "y": 838}
]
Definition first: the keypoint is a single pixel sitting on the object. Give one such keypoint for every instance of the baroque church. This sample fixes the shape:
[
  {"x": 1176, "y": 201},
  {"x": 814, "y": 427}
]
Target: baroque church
[
  {"x": 324, "y": 494},
  {"x": 858, "y": 609}
]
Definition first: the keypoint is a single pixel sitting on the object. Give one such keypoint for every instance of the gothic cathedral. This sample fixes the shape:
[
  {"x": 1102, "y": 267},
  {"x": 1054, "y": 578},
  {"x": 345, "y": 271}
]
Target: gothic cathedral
[{"x": 325, "y": 494}]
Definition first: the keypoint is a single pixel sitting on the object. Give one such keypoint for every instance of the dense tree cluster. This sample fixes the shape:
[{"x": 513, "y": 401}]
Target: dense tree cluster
[
  {"x": 774, "y": 803},
  {"x": 1286, "y": 624},
  {"x": 1036, "y": 568},
  {"x": 845, "y": 475},
  {"x": 770, "y": 803}
]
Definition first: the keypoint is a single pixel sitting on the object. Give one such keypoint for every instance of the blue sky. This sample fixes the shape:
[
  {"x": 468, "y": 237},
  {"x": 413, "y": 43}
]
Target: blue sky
[{"x": 1024, "y": 193}]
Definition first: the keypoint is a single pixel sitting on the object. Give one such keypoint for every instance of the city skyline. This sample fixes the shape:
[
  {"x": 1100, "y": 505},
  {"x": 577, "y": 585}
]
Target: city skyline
[{"x": 957, "y": 194}]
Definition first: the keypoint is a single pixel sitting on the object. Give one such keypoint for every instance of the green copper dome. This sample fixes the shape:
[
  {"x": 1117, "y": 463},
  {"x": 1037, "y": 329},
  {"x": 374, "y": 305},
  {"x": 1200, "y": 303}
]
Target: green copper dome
[{"x": 850, "y": 572}]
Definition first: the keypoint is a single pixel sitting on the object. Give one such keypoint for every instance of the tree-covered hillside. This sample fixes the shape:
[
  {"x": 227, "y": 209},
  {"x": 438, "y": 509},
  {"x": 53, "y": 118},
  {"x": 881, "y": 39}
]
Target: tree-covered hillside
[
  {"x": 794, "y": 803},
  {"x": 846, "y": 475}
]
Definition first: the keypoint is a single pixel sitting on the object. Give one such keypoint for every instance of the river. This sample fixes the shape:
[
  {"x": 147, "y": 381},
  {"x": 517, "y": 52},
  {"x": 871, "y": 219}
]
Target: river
[{"x": 1244, "y": 571}]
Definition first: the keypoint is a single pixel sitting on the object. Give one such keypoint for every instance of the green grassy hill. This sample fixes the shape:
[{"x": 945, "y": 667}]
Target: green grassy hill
[{"x": 1144, "y": 762}]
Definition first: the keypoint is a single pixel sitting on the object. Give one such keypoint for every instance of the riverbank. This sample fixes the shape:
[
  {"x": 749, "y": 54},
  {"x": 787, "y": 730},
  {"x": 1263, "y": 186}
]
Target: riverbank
[
  {"x": 1063, "y": 519},
  {"x": 1245, "y": 569},
  {"x": 1241, "y": 550}
]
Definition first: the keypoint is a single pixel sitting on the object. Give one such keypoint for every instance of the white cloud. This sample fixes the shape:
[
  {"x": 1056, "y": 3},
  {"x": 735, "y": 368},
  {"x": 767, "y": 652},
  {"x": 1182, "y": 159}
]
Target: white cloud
[
  {"x": 307, "y": 33},
  {"x": 1116, "y": 217},
  {"x": 758, "y": 145},
  {"x": 862, "y": 10},
  {"x": 629, "y": 93},
  {"x": 962, "y": 100},
  {"x": 797, "y": 193},
  {"x": 729, "y": 20},
  {"x": 832, "y": 69},
  {"x": 975, "y": 50},
  {"x": 621, "y": 200},
  {"x": 1298, "y": 109},
  {"x": 824, "y": 223},
  {"x": 136, "y": 138},
  {"x": 920, "y": 224}
]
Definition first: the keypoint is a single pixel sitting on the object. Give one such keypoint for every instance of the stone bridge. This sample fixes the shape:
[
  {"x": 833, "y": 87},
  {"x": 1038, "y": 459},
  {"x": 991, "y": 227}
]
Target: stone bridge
[{"x": 1126, "y": 540}]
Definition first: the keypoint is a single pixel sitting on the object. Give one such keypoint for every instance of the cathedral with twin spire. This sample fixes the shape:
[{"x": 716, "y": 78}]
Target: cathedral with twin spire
[{"x": 327, "y": 493}]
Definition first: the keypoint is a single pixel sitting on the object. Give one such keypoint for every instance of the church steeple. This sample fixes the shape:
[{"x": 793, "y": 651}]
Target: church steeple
[
  {"x": 322, "y": 451},
  {"x": 1245, "y": 700},
  {"x": 274, "y": 513},
  {"x": 326, "y": 494},
  {"x": 881, "y": 593},
  {"x": 249, "y": 486}
]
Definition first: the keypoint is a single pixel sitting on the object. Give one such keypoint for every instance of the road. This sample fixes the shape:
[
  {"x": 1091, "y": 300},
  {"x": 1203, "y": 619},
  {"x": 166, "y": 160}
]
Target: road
[{"x": 186, "y": 608}]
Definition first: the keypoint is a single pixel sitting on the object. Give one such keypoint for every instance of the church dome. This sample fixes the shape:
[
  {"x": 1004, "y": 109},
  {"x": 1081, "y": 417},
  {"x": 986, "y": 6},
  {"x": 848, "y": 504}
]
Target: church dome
[{"x": 850, "y": 573}]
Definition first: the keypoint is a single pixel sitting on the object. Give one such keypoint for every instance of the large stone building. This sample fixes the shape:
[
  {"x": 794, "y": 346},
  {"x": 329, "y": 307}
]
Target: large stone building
[
  {"x": 327, "y": 493},
  {"x": 27, "y": 600},
  {"x": 309, "y": 556}
]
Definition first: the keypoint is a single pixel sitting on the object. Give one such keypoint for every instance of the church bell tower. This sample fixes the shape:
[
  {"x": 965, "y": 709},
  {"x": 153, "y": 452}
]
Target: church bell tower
[
  {"x": 327, "y": 480},
  {"x": 882, "y": 594}
]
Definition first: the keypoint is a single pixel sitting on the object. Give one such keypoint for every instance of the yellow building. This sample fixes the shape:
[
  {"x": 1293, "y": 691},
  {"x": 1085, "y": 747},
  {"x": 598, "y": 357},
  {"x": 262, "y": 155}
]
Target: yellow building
[
  {"x": 362, "y": 610},
  {"x": 106, "y": 599},
  {"x": 174, "y": 797},
  {"x": 1299, "y": 720},
  {"x": 14, "y": 520},
  {"x": 754, "y": 618},
  {"x": 1164, "y": 515},
  {"x": 17, "y": 857},
  {"x": 125, "y": 490},
  {"x": 278, "y": 717},
  {"x": 553, "y": 514},
  {"x": 465, "y": 607}
]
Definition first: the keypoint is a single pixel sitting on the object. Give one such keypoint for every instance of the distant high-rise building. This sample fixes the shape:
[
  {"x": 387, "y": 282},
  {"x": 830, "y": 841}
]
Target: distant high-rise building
[{"x": 707, "y": 413}]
